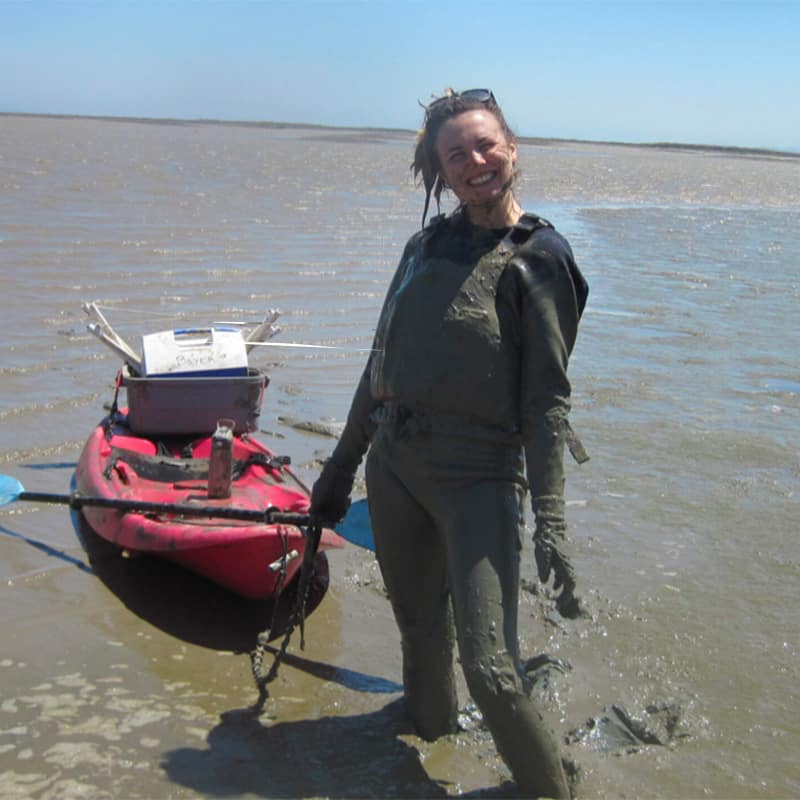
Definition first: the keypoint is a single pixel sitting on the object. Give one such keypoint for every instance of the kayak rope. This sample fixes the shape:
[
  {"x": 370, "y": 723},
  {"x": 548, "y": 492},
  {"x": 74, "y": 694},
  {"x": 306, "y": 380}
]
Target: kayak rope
[
  {"x": 261, "y": 677},
  {"x": 296, "y": 618}
]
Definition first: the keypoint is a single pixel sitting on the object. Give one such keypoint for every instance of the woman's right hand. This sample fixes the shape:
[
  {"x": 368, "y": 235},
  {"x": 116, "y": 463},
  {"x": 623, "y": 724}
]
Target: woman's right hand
[{"x": 330, "y": 495}]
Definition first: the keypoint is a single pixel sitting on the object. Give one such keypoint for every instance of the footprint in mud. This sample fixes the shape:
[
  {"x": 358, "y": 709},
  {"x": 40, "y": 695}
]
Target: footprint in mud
[{"x": 616, "y": 729}]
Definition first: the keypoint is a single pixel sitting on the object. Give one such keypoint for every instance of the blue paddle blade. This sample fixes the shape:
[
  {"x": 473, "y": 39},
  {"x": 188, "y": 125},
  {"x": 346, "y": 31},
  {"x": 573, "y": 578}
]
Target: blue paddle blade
[
  {"x": 356, "y": 527},
  {"x": 10, "y": 489}
]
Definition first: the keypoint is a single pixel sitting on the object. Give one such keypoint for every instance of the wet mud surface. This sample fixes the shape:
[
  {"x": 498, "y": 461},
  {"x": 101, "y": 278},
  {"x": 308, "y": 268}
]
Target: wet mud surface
[
  {"x": 131, "y": 679},
  {"x": 135, "y": 683}
]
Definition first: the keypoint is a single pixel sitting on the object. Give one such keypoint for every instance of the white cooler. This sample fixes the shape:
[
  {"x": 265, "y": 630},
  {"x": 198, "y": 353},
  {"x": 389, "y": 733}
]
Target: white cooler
[{"x": 194, "y": 353}]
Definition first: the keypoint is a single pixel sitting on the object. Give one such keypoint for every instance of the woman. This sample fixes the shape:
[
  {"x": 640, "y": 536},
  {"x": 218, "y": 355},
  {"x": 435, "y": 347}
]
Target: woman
[{"x": 466, "y": 392}]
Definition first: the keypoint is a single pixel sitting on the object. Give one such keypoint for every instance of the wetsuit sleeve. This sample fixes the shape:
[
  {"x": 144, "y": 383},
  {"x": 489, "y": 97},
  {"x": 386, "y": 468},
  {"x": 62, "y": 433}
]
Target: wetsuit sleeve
[
  {"x": 548, "y": 324},
  {"x": 359, "y": 428}
]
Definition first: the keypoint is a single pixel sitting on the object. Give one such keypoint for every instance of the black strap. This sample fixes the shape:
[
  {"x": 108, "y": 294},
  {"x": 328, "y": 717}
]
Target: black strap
[
  {"x": 313, "y": 534},
  {"x": 523, "y": 233},
  {"x": 524, "y": 228}
]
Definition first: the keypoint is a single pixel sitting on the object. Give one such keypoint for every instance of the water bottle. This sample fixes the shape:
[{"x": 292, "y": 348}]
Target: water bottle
[{"x": 220, "y": 465}]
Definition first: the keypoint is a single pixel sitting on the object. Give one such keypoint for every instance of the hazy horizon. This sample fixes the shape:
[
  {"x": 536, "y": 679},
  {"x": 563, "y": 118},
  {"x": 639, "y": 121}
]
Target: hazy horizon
[{"x": 384, "y": 130}]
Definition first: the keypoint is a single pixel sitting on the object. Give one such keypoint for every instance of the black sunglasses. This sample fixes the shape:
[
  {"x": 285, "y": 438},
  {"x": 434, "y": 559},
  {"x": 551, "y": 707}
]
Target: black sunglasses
[{"x": 484, "y": 96}]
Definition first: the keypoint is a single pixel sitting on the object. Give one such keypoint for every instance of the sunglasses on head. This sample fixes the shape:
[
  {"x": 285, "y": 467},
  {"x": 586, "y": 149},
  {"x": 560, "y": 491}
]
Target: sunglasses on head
[{"x": 484, "y": 96}]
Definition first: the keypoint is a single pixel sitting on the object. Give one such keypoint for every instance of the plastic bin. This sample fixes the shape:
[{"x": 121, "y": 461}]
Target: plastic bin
[{"x": 167, "y": 405}]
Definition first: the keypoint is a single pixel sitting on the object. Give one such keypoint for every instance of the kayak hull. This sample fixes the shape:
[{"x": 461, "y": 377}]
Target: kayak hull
[{"x": 254, "y": 560}]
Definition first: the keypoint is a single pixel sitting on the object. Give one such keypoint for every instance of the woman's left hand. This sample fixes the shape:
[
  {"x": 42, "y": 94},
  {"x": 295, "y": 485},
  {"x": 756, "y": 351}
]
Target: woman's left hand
[{"x": 551, "y": 558}]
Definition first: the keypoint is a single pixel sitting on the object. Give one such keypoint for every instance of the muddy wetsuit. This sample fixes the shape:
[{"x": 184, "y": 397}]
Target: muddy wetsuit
[{"x": 468, "y": 375}]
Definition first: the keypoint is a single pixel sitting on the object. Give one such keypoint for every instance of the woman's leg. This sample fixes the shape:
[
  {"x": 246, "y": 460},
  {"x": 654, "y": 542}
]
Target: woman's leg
[
  {"x": 484, "y": 538},
  {"x": 413, "y": 563}
]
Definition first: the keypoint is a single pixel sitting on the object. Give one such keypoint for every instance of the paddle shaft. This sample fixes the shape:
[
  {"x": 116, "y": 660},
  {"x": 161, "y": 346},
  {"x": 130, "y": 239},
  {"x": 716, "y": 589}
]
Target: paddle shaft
[{"x": 270, "y": 516}]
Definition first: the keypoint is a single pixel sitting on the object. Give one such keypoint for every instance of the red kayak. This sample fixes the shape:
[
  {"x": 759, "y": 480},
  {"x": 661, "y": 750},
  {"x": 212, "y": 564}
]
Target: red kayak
[{"x": 251, "y": 559}]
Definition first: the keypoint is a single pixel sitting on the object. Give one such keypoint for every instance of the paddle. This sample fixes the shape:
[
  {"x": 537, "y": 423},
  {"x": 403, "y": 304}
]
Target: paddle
[{"x": 354, "y": 527}]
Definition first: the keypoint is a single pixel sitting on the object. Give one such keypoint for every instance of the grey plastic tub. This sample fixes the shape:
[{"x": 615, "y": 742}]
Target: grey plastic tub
[{"x": 194, "y": 405}]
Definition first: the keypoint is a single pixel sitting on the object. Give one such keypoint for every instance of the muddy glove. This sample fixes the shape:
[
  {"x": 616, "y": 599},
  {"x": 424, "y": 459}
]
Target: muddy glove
[
  {"x": 330, "y": 495},
  {"x": 551, "y": 554},
  {"x": 544, "y": 455}
]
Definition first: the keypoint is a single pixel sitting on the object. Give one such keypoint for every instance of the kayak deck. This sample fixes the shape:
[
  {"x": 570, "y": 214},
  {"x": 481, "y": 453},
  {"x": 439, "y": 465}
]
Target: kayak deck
[{"x": 247, "y": 558}]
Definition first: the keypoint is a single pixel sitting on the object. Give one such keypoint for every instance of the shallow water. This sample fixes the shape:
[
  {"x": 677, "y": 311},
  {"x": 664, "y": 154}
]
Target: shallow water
[{"x": 131, "y": 679}]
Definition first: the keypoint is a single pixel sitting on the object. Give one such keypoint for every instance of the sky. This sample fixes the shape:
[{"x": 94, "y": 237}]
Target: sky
[{"x": 711, "y": 72}]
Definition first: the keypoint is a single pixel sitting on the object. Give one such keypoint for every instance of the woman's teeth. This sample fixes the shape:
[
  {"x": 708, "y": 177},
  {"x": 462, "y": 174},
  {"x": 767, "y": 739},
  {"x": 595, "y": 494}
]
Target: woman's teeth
[{"x": 483, "y": 179}]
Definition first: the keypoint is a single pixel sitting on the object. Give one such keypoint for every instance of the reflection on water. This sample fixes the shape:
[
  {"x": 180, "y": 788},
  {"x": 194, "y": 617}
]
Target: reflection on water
[{"x": 686, "y": 394}]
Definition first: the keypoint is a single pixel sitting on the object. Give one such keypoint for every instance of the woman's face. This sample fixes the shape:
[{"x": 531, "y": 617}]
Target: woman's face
[{"x": 477, "y": 160}]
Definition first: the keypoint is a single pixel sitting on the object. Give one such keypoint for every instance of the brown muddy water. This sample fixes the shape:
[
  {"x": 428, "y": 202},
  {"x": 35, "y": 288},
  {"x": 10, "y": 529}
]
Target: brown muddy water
[{"x": 131, "y": 679}]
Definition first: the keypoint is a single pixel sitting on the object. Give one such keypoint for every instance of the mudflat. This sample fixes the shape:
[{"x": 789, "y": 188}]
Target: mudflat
[{"x": 129, "y": 678}]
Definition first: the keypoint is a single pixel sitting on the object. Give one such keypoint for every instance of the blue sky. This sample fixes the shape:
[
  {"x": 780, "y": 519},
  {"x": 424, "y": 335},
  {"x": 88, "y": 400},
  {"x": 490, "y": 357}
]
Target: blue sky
[{"x": 697, "y": 72}]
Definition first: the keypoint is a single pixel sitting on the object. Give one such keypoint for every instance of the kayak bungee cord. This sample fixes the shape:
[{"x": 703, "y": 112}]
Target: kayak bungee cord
[
  {"x": 297, "y": 617},
  {"x": 257, "y": 657}
]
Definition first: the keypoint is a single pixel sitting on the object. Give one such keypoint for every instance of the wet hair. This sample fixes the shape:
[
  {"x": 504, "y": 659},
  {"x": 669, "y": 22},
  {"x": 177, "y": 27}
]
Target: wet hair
[{"x": 426, "y": 166}]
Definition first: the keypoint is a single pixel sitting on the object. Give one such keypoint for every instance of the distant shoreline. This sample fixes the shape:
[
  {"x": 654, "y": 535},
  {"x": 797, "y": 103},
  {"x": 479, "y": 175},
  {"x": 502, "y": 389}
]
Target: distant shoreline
[{"x": 757, "y": 152}]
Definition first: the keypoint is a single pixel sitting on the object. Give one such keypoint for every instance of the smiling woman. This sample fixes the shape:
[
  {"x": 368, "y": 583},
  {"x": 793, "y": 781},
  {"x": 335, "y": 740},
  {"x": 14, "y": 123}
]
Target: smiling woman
[{"x": 465, "y": 395}]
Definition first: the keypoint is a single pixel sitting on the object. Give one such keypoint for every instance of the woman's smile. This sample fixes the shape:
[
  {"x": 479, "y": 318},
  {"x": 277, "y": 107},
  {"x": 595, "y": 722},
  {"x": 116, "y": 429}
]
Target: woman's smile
[{"x": 483, "y": 179}]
